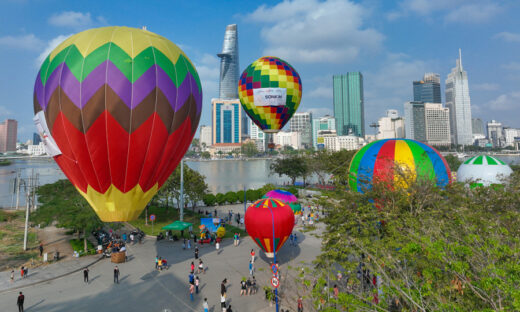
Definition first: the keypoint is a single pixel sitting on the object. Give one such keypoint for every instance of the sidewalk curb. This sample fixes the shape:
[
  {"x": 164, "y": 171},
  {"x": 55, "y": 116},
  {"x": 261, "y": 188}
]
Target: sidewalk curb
[{"x": 52, "y": 278}]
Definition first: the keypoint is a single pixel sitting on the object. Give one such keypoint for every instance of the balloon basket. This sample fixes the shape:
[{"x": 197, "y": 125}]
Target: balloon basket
[{"x": 269, "y": 254}]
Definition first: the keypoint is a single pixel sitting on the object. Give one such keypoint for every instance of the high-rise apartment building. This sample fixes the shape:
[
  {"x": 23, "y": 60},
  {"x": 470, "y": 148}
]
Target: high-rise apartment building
[
  {"x": 459, "y": 103},
  {"x": 229, "y": 70},
  {"x": 415, "y": 124},
  {"x": 495, "y": 133},
  {"x": 205, "y": 136},
  {"x": 8, "y": 135},
  {"x": 257, "y": 135},
  {"x": 325, "y": 123},
  {"x": 477, "y": 126},
  {"x": 36, "y": 139},
  {"x": 428, "y": 89},
  {"x": 391, "y": 126},
  {"x": 292, "y": 139},
  {"x": 302, "y": 123},
  {"x": 226, "y": 121},
  {"x": 349, "y": 106},
  {"x": 437, "y": 121}
]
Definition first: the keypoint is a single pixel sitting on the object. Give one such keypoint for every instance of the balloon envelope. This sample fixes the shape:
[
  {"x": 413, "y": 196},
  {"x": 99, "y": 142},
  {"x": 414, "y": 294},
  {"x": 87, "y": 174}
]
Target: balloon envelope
[
  {"x": 259, "y": 224},
  {"x": 122, "y": 105},
  {"x": 286, "y": 197},
  {"x": 386, "y": 160},
  {"x": 270, "y": 91},
  {"x": 483, "y": 170}
]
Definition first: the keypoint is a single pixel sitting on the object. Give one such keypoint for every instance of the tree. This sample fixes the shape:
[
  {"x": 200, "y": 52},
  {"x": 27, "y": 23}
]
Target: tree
[
  {"x": 451, "y": 249},
  {"x": 209, "y": 199},
  {"x": 205, "y": 155},
  {"x": 231, "y": 197},
  {"x": 194, "y": 187},
  {"x": 337, "y": 164},
  {"x": 61, "y": 202},
  {"x": 252, "y": 195},
  {"x": 221, "y": 199},
  {"x": 249, "y": 149},
  {"x": 453, "y": 162},
  {"x": 240, "y": 196},
  {"x": 293, "y": 167}
]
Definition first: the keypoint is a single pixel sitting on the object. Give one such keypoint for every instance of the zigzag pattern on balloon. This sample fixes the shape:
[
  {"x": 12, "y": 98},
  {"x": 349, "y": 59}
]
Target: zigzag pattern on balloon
[
  {"x": 110, "y": 51},
  {"x": 131, "y": 94}
]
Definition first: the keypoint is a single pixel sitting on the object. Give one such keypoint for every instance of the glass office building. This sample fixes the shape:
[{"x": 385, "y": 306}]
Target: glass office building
[
  {"x": 428, "y": 89},
  {"x": 226, "y": 121},
  {"x": 349, "y": 110}
]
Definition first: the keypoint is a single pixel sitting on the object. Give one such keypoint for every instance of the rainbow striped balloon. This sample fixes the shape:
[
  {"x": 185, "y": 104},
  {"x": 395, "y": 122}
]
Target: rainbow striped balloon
[
  {"x": 122, "y": 105},
  {"x": 378, "y": 161},
  {"x": 270, "y": 72}
]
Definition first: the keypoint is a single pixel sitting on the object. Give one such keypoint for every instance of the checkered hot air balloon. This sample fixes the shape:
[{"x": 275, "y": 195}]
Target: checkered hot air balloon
[
  {"x": 270, "y": 91},
  {"x": 119, "y": 107},
  {"x": 388, "y": 160},
  {"x": 259, "y": 224}
]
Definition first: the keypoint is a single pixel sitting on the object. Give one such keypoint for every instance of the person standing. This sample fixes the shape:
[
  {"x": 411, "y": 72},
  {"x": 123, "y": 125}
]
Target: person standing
[
  {"x": 253, "y": 255},
  {"x": 300, "y": 304},
  {"x": 243, "y": 288},
  {"x": 291, "y": 239},
  {"x": 41, "y": 249},
  {"x": 19, "y": 302},
  {"x": 223, "y": 287},
  {"x": 196, "y": 252},
  {"x": 295, "y": 239},
  {"x": 116, "y": 275},
  {"x": 85, "y": 275},
  {"x": 12, "y": 276},
  {"x": 201, "y": 267},
  {"x": 22, "y": 271},
  {"x": 156, "y": 262},
  {"x": 192, "y": 267},
  {"x": 223, "y": 302},
  {"x": 251, "y": 268},
  {"x": 197, "y": 282},
  {"x": 192, "y": 288},
  {"x": 205, "y": 305}
]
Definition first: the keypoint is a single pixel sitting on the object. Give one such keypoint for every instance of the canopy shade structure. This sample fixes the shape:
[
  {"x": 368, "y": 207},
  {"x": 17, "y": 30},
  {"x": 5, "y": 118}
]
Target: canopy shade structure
[{"x": 177, "y": 226}]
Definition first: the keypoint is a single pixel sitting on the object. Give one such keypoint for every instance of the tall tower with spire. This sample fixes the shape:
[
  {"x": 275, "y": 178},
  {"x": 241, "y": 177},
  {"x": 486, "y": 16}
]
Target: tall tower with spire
[
  {"x": 459, "y": 103},
  {"x": 228, "y": 86}
]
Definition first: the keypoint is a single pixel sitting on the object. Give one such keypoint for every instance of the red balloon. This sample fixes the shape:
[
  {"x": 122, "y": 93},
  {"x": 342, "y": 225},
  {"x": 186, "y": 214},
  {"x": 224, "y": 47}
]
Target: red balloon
[{"x": 259, "y": 224}]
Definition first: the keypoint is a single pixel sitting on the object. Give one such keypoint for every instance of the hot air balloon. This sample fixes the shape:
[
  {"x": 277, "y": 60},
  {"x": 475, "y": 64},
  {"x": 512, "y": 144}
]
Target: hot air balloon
[
  {"x": 286, "y": 197},
  {"x": 483, "y": 170},
  {"x": 387, "y": 160},
  {"x": 270, "y": 91},
  {"x": 259, "y": 220},
  {"x": 117, "y": 108}
]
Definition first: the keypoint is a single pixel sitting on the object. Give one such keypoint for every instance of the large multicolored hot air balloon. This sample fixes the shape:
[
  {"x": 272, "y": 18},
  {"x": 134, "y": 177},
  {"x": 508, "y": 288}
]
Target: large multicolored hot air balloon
[
  {"x": 259, "y": 224},
  {"x": 387, "y": 160},
  {"x": 117, "y": 107},
  {"x": 286, "y": 197},
  {"x": 270, "y": 91}
]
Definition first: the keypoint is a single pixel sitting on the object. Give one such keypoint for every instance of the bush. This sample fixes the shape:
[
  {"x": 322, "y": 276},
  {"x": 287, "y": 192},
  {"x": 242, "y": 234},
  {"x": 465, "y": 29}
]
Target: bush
[
  {"x": 209, "y": 199},
  {"x": 220, "y": 198},
  {"x": 77, "y": 245},
  {"x": 231, "y": 197},
  {"x": 252, "y": 195}
]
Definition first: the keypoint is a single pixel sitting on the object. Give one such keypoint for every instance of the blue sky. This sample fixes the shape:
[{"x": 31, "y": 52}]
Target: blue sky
[{"x": 391, "y": 42}]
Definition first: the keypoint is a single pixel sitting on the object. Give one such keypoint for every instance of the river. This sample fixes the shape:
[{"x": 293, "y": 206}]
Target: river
[{"x": 221, "y": 175}]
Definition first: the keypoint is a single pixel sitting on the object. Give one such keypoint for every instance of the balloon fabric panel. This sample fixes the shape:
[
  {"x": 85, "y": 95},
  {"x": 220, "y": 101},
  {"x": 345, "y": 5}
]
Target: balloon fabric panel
[{"x": 123, "y": 105}]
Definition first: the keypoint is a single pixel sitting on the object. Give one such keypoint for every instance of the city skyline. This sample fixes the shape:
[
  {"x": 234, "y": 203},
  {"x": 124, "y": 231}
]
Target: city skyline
[{"x": 326, "y": 45}]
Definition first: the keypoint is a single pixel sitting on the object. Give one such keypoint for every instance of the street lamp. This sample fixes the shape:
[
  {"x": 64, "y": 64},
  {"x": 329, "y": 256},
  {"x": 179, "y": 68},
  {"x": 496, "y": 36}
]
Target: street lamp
[{"x": 274, "y": 257}]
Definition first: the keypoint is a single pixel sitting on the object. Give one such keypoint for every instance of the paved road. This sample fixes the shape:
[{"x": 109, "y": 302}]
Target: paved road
[{"x": 142, "y": 288}]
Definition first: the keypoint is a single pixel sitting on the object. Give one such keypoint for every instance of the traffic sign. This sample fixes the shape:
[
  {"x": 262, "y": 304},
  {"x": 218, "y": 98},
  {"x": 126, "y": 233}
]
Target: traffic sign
[
  {"x": 274, "y": 268},
  {"x": 152, "y": 217},
  {"x": 275, "y": 282}
]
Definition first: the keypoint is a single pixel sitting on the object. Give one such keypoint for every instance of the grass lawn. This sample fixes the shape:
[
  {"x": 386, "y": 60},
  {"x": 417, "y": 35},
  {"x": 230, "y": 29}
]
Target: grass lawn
[
  {"x": 163, "y": 218},
  {"x": 77, "y": 245},
  {"x": 11, "y": 241}
]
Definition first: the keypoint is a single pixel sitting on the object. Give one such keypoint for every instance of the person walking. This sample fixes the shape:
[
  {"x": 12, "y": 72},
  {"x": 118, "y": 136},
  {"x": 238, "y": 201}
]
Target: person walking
[
  {"x": 12, "y": 276},
  {"x": 189, "y": 244},
  {"x": 116, "y": 275},
  {"x": 156, "y": 262},
  {"x": 183, "y": 243},
  {"x": 22, "y": 271},
  {"x": 223, "y": 302},
  {"x": 253, "y": 255},
  {"x": 192, "y": 267},
  {"x": 243, "y": 288},
  {"x": 295, "y": 239},
  {"x": 85, "y": 275},
  {"x": 251, "y": 268},
  {"x": 196, "y": 252},
  {"x": 192, "y": 288},
  {"x": 205, "y": 305},
  {"x": 19, "y": 302},
  {"x": 223, "y": 287},
  {"x": 300, "y": 304},
  {"x": 253, "y": 285},
  {"x": 197, "y": 282},
  {"x": 201, "y": 267},
  {"x": 41, "y": 249}
]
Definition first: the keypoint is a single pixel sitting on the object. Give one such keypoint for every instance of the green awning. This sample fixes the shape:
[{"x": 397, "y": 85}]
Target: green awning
[{"x": 177, "y": 226}]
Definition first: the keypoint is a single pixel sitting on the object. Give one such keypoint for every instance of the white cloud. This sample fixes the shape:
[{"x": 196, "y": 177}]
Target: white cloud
[
  {"x": 24, "y": 42},
  {"x": 485, "y": 86},
  {"x": 505, "y": 102},
  {"x": 474, "y": 13},
  {"x": 508, "y": 36},
  {"x": 321, "y": 92},
  {"x": 5, "y": 112},
  {"x": 53, "y": 43},
  {"x": 462, "y": 11},
  {"x": 71, "y": 19},
  {"x": 310, "y": 31},
  {"x": 209, "y": 72}
]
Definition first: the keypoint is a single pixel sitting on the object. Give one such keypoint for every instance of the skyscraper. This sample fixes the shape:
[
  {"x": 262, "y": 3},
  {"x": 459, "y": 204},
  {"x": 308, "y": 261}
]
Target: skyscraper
[
  {"x": 325, "y": 123},
  {"x": 205, "y": 136},
  {"x": 477, "y": 126},
  {"x": 349, "y": 106},
  {"x": 458, "y": 101},
  {"x": 36, "y": 139},
  {"x": 428, "y": 89},
  {"x": 226, "y": 121},
  {"x": 415, "y": 123},
  {"x": 302, "y": 123},
  {"x": 427, "y": 122},
  {"x": 8, "y": 135},
  {"x": 229, "y": 70}
]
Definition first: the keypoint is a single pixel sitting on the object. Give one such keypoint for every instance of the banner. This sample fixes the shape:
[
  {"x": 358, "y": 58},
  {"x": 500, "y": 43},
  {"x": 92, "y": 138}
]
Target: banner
[
  {"x": 270, "y": 96},
  {"x": 48, "y": 142}
]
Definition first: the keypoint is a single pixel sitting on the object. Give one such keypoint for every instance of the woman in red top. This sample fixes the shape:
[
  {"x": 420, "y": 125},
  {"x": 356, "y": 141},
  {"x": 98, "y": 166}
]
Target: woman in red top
[
  {"x": 252, "y": 256},
  {"x": 192, "y": 267}
]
